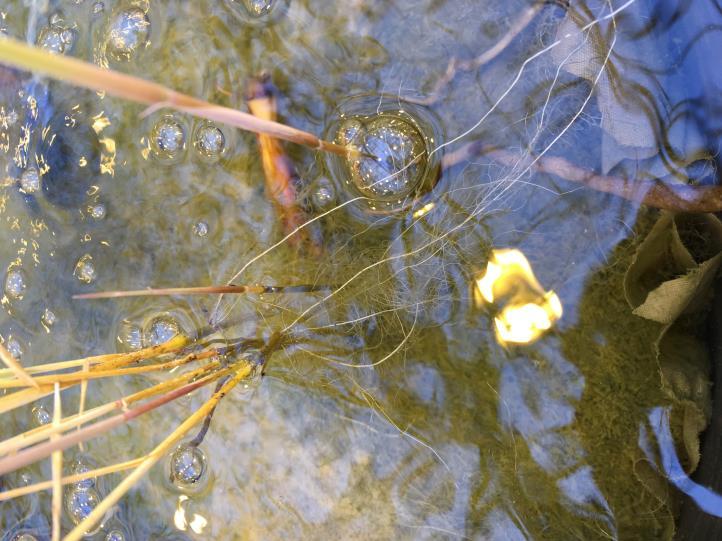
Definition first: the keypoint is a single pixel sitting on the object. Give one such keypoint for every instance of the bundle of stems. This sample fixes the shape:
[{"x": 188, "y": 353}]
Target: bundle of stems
[
  {"x": 223, "y": 366},
  {"x": 84, "y": 74}
]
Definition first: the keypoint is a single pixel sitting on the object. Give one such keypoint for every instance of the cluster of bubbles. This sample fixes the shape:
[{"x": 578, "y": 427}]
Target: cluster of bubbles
[
  {"x": 128, "y": 33},
  {"x": 392, "y": 162},
  {"x": 57, "y": 37},
  {"x": 82, "y": 497}
]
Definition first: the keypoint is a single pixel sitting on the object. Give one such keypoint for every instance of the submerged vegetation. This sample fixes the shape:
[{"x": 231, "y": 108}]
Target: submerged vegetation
[{"x": 470, "y": 322}]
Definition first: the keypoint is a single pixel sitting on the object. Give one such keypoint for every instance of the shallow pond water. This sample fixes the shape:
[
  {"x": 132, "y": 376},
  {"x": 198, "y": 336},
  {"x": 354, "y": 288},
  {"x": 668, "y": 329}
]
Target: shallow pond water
[{"x": 395, "y": 413}]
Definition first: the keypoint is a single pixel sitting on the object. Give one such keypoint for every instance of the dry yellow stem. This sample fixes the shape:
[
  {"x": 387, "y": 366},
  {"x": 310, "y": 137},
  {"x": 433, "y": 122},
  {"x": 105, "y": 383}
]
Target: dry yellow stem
[
  {"x": 155, "y": 455},
  {"x": 16, "y": 368},
  {"x": 41, "y": 433},
  {"x": 45, "y": 485},
  {"x": 87, "y": 75},
  {"x": 57, "y": 469},
  {"x": 118, "y": 359},
  {"x": 80, "y": 376}
]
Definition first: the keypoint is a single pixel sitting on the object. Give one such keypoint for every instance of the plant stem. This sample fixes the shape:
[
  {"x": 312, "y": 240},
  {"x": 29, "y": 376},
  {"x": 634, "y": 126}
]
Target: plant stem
[
  {"x": 154, "y": 456},
  {"x": 653, "y": 193},
  {"x": 87, "y": 75},
  {"x": 45, "y": 485},
  {"x": 16, "y": 368},
  {"x": 210, "y": 290},
  {"x": 38, "y": 452},
  {"x": 41, "y": 433},
  {"x": 57, "y": 470},
  {"x": 80, "y": 376}
]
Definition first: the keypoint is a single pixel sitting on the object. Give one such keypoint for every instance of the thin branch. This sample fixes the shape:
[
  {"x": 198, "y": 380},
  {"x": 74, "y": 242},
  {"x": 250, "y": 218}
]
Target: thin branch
[
  {"x": 173, "y": 345},
  {"x": 210, "y": 290},
  {"x": 653, "y": 193},
  {"x": 455, "y": 65},
  {"x": 90, "y": 76}
]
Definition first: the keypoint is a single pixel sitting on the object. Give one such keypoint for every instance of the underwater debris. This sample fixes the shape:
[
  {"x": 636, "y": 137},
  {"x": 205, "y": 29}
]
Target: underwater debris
[{"x": 282, "y": 181}]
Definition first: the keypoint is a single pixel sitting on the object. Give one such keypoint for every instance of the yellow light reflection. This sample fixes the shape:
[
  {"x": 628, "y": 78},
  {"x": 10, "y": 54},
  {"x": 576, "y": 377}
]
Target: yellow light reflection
[
  {"x": 197, "y": 523},
  {"x": 423, "y": 211},
  {"x": 526, "y": 310}
]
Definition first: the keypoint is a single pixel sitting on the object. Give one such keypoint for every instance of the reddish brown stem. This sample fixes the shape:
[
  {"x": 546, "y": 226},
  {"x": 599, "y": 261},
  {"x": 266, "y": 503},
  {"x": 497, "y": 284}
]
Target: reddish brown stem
[{"x": 653, "y": 193}]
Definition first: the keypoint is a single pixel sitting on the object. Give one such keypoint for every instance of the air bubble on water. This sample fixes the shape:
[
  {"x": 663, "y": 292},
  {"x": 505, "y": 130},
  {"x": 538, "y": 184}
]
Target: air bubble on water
[
  {"x": 16, "y": 284},
  {"x": 324, "y": 195},
  {"x": 80, "y": 502},
  {"x": 115, "y": 535},
  {"x": 48, "y": 319},
  {"x": 41, "y": 416},
  {"x": 55, "y": 39},
  {"x": 188, "y": 466},
  {"x": 129, "y": 31},
  {"x": 25, "y": 537},
  {"x": 160, "y": 330},
  {"x": 30, "y": 180},
  {"x": 130, "y": 336},
  {"x": 351, "y": 132},
  {"x": 167, "y": 138},
  {"x": 85, "y": 270},
  {"x": 398, "y": 162},
  {"x": 97, "y": 211},
  {"x": 209, "y": 141},
  {"x": 258, "y": 8},
  {"x": 14, "y": 347},
  {"x": 201, "y": 229},
  {"x": 81, "y": 465}
]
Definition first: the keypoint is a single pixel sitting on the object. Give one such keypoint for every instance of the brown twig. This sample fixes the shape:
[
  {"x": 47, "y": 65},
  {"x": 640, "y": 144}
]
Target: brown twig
[
  {"x": 210, "y": 290},
  {"x": 653, "y": 193},
  {"x": 455, "y": 65}
]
